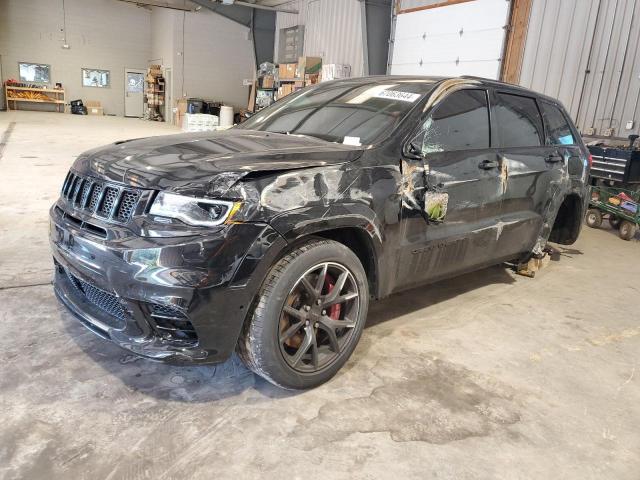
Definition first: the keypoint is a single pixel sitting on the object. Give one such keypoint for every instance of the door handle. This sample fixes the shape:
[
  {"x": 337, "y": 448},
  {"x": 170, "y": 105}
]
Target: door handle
[
  {"x": 488, "y": 164},
  {"x": 553, "y": 158}
]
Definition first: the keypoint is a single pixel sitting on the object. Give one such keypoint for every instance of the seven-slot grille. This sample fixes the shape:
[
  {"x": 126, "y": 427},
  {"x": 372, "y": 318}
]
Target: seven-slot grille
[{"x": 103, "y": 199}]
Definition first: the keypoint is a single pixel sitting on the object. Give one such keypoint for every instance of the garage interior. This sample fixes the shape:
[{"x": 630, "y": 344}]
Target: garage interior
[{"x": 487, "y": 375}]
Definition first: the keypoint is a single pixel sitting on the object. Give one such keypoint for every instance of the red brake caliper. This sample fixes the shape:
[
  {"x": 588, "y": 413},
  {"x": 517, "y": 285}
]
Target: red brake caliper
[{"x": 334, "y": 310}]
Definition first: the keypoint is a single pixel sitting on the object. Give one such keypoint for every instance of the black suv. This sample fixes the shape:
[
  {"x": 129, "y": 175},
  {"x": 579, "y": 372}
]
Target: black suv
[{"x": 270, "y": 238}]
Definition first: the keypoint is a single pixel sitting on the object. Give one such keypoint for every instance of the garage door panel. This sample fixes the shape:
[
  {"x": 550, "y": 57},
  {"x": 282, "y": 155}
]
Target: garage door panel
[{"x": 459, "y": 39}]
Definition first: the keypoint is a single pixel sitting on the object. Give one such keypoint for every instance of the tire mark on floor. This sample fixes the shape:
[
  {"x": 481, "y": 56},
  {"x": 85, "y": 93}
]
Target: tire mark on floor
[{"x": 5, "y": 137}]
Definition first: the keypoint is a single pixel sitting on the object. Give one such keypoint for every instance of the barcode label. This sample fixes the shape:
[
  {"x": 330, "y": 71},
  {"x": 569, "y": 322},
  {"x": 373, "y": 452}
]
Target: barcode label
[{"x": 397, "y": 95}]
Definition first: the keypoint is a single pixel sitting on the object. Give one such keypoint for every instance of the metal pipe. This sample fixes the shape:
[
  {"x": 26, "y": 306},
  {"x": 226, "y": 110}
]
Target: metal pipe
[{"x": 149, "y": 3}]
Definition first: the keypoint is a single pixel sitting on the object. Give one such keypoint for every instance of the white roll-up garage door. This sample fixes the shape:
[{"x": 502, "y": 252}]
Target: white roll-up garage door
[{"x": 451, "y": 40}]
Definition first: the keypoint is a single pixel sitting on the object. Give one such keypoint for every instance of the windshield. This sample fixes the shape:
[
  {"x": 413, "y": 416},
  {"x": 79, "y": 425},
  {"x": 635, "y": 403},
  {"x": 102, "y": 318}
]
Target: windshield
[{"x": 344, "y": 112}]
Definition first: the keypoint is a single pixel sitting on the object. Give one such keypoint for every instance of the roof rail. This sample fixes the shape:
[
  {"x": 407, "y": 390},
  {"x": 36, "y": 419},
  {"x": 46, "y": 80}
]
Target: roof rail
[{"x": 474, "y": 77}]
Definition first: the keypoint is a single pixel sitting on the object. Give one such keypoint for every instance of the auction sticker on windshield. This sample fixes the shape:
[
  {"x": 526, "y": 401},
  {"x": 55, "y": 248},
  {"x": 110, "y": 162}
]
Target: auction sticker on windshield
[{"x": 398, "y": 95}]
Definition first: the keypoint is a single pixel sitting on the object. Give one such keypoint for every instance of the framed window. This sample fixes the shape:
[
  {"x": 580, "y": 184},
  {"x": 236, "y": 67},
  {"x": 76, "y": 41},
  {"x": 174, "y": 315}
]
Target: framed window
[
  {"x": 34, "y": 72},
  {"x": 519, "y": 121},
  {"x": 557, "y": 127},
  {"x": 460, "y": 122},
  {"x": 93, "y": 77}
]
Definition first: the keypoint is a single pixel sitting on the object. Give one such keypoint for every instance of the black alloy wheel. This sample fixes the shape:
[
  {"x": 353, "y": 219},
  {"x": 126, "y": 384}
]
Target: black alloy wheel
[
  {"x": 308, "y": 315},
  {"x": 318, "y": 317}
]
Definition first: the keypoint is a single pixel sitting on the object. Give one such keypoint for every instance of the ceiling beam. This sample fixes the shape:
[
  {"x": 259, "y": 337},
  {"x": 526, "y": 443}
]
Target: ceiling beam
[
  {"x": 159, "y": 4},
  {"x": 265, "y": 7}
]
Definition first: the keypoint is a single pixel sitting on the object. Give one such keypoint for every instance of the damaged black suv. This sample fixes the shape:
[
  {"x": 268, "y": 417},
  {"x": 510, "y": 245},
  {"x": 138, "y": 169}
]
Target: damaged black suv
[{"x": 270, "y": 238}]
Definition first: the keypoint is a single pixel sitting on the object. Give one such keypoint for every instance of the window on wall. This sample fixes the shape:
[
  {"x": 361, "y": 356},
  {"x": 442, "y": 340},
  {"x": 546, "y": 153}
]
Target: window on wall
[
  {"x": 92, "y": 77},
  {"x": 460, "y": 122},
  {"x": 519, "y": 121},
  {"x": 34, "y": 72}
]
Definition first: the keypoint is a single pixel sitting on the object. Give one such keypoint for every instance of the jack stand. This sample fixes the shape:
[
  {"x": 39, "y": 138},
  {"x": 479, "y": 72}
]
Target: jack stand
[{"x": 534, "y": 264}]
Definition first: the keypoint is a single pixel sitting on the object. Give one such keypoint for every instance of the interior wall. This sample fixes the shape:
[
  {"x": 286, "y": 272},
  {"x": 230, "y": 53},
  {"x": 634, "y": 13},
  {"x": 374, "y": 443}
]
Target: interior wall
[
  {"x": 209, "y": 57},
  {"x": 213, "y": 54},
  {"x": 104, "y": 34},
  {"x": 333, "y": 30}
]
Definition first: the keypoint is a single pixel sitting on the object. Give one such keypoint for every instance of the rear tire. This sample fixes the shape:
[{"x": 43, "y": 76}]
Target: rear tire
[
  {"x": 594, "y": 218},
  {"x": 627, "y": 230},
  {"x": 296, "y": 338}
]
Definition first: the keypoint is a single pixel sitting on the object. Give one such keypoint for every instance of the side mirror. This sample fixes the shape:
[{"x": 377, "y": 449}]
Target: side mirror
[{"x": 412, "y": 151}]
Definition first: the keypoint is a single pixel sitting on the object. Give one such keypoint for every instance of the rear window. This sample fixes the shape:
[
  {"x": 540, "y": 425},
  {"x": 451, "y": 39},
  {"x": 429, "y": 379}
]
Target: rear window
[
  {"x": 519, "y": 121},
  {"x": 460, "y": 122},
  {"x": 556, "y": 125}
]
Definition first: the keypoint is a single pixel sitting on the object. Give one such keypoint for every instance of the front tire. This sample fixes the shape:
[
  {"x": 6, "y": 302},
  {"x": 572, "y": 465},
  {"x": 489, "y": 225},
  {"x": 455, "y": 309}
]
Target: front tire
[
  {"x": 594, "y": 218},
  {"x": 308, "y": 316}
]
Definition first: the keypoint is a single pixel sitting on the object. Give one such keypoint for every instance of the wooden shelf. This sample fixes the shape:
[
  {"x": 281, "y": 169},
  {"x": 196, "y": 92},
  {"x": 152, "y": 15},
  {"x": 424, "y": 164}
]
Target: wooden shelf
[
  {"x": 50, "y": 90},
  {"x": 36, "y": 100},
  {"x": 58, "y": 95}
]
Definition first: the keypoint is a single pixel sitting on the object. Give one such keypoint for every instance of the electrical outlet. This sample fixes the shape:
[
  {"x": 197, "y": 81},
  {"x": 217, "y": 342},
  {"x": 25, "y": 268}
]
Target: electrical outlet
[
  {"x": 608, "y": 132},
  {"x": 590, "y": 131},
  {"x": 629, "y": 125}
]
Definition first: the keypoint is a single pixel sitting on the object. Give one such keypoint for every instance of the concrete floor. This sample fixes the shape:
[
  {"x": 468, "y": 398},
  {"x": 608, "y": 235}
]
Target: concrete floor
[{"x": 489, "y": 375}]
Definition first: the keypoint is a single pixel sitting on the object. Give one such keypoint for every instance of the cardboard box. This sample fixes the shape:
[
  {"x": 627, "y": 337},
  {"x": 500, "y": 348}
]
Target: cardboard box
[
  {"x": 267, "y": 81},
  {"x": 287, "y": 89},
  {"x": 94, "y": 107},
  {"x": 287, "y": 70},
  {"x": 181, "y": 110},
  {"x": 311, "y": 78},
  {"x": 308, "y": 65},
  {"x": 334, "y": 71}
]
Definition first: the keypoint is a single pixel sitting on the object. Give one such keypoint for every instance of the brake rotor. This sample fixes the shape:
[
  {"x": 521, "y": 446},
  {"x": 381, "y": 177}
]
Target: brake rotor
[{"x": 295, "y": 299}]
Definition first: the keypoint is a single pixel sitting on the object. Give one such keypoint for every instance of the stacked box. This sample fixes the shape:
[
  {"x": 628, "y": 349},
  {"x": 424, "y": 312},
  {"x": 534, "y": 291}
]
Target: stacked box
[
  {"x": 199, "y": 122},
  {"x": 334, "y": 71},
  {"x": 308, "y": 66}
]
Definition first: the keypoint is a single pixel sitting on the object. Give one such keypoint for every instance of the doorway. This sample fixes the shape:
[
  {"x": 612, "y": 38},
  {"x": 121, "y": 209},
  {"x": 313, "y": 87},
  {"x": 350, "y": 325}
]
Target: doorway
[{"x": 134, "y": 92}]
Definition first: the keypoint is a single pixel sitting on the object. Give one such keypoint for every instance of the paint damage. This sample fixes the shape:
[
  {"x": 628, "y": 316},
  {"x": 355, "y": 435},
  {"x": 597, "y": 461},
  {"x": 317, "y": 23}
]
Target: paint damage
[{"x": 409, "y": 221}]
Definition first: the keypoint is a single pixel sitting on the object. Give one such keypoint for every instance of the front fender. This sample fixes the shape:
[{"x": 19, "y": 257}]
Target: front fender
[{"x": 312, "y": 220}]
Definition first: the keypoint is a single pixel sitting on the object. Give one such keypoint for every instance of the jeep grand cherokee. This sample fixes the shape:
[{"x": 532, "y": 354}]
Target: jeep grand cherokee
[{"x": 269, "y": 239}]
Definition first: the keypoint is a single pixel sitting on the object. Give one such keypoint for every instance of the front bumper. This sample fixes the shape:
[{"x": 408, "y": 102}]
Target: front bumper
[{"x": 202, "y": 286}]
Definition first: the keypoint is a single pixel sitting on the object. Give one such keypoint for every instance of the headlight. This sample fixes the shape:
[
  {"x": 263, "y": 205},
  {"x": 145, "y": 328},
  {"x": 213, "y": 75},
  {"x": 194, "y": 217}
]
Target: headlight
[{"x": 201, "y": 212}]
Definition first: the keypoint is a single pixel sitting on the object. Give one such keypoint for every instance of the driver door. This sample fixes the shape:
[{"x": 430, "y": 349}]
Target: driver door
[{"x": 461, "y": 196}]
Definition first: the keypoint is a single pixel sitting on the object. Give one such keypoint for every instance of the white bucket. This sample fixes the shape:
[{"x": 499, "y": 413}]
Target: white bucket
[{"x": 226, "y": 116}]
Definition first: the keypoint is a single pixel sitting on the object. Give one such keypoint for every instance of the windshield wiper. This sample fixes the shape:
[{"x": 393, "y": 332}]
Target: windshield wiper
[{"x": 309, "y": 135}]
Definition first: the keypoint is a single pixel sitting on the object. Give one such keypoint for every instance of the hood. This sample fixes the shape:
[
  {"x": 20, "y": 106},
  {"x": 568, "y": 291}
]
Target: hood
[{"x": 194, "y": 160}]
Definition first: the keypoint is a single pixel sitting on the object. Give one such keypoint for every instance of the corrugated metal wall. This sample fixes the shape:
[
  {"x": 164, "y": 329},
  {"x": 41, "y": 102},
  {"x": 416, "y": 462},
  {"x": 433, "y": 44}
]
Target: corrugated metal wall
[
  {"x": 333, "y": 30},
  {"x": 586, "y": 53}
]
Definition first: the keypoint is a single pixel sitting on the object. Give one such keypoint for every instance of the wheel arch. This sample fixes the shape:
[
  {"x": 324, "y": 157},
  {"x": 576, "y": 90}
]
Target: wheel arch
[
  {"x": 353, "y": 226},
  {"x": 568, "y": 221}
]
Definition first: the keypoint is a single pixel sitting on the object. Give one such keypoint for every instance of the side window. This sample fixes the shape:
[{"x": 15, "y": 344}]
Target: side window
[
  {"x": 460, "y": 122},
  {"x": 519, "y": 122},
  {"x": 556, "y": 125}
]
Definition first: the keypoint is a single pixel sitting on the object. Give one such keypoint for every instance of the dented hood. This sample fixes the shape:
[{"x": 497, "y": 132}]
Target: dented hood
[{"x": 195, "y": 160}]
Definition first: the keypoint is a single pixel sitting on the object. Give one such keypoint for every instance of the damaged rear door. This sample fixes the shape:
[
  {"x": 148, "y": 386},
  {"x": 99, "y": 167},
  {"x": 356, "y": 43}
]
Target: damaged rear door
[
  {"x": 533, "y": 172},
  {"x": 462, "y": 192}
]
